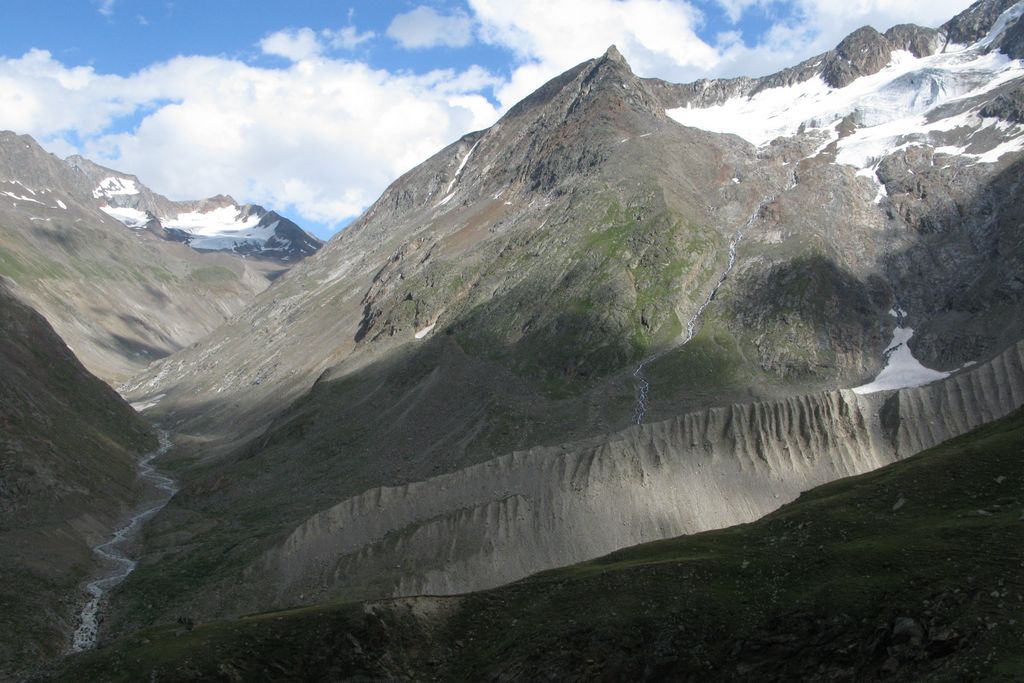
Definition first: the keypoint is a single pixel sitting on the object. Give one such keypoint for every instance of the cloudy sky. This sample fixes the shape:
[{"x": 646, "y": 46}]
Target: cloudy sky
[{"x": 311, "y": 107}]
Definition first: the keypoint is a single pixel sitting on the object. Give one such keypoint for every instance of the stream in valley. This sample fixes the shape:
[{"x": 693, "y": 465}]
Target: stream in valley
[{"x": 113, "y": 558}]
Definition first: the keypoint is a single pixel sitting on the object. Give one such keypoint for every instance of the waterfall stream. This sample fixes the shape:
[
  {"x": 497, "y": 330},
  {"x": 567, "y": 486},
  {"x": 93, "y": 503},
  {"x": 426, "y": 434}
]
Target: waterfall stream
[{"x": 643, "y": 393}]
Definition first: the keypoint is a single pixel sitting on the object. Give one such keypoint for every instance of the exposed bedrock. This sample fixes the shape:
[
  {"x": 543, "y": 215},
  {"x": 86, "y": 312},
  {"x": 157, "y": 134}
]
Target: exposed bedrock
[{"x": 547, "y": 507}]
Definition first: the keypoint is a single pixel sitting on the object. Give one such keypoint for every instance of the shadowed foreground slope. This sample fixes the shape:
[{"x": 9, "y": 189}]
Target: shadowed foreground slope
[
  {"x": 67, "y": 475},
  {"x": 910, "y": 572}
]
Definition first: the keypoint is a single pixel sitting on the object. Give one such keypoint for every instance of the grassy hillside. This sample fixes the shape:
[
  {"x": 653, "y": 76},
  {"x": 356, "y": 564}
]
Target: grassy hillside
[
  {"x": 912, "y": 572},
  {"x": 67, "y": 473}
]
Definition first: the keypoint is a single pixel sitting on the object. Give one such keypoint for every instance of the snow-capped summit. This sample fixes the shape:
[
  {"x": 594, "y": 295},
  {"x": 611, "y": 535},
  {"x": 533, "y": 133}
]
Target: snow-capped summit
[
  {"x": 215, "y": 224},
  {"x": 245, "y": 229},
  {"x": 919, "y": 87}
]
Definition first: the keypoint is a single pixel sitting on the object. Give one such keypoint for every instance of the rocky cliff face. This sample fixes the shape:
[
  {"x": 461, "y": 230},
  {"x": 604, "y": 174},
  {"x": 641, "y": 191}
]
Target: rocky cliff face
[{"x": 518, "y": 290}]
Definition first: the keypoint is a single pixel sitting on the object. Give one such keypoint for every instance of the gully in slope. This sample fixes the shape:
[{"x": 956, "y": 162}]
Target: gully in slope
[{"x": 640, "y": 411}]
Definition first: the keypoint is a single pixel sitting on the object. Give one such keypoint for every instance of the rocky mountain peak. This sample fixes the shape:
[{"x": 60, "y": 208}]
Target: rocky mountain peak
[
  {"x": 1013, "y": 41},
  {"x": 217, "y": 223},
  {"x": 863, "y": 52},
  {"x": 612, "y": 54},
  {"x": 23, "y": 160},
  {"x": 976, "y": 21},
  {"x": 567, "y": 128},
  {"x": 609, "y": 72},
  {"x": 917, "y": 40}
]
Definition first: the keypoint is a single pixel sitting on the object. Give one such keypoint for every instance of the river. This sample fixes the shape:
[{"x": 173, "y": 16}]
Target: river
[{"x": 117, "y": 565}]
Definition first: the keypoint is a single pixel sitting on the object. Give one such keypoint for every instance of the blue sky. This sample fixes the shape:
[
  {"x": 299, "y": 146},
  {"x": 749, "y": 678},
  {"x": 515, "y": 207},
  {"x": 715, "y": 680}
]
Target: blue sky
[
  {"x": 312, "y": 107},
  {"x": 128, "y": 35}
]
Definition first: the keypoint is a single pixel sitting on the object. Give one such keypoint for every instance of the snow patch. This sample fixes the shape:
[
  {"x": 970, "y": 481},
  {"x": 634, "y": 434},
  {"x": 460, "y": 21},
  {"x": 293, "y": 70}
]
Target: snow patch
[
  {"x": 222, "y": 229},
  {"x": 114, "y": 186},
  {"x": 462, "y": 165},
  {"x": 1002, "y": 23},
  {"x": 22, "y": 198},
  {"x": 889, "y": 107},
  {"x": 993, "y": 155},
  {"x": 424, "y": 331},
  {"x": 901, "y": 369},
  {"x": 139, "y": 406},
  {"x": 62, "y": 205},
  {"x": 28, "y": 189},
  {"x": 133, "y": 218},
  {"x": 881, "y": 192},
  {"x": 211, "y": 222}
]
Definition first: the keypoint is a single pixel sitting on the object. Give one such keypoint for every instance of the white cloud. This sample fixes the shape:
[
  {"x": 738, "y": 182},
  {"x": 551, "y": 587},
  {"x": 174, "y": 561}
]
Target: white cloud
[
  {"x": 734, "y": 9},
  {"x": 661, "y": 37},
  {"x": 347, "y": 38},
  {"x": 295, "y": 45},
  {"x": 834, "y": 20},
  {"x": 839, "y": 18},
  {"x": 656, "y": 36},
  {"x": 43, "y": 97},
  {"x": 324, "y": 136},
  {"x": 106, "y": 7},
  {"x": 424, "y": 27}
]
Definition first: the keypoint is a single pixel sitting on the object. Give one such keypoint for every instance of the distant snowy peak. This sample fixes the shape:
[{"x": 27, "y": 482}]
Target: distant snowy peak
[
  {"x": 916, "y": 96},
  {"x": 215, "y": 224},
  {"x": 41, "y": 187},
  {"x": 248, "y": 229},
  {"x": 212, "y": 222}
]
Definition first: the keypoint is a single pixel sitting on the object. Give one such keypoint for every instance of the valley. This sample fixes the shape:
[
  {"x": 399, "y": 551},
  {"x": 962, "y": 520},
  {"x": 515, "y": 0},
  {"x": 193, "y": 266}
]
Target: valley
[
  {"x": 902, "y": 573},
  {"x": 718, "y": 380},
  {"x": 67, "y": 244}
]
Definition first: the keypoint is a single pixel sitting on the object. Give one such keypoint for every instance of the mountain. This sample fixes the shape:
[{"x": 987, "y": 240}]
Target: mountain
[
  {"x": 590, "y": 326},
  {"x": 68, "y": 445},
  {"x": 877, "y": 93},
  {"x": 215, "y": 224},
  {"x": 122, "y": 297},
  {"x": 900, "y": 574}
]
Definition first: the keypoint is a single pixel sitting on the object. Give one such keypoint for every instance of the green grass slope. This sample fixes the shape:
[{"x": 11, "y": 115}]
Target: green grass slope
[{"x": 912, "y": 572}]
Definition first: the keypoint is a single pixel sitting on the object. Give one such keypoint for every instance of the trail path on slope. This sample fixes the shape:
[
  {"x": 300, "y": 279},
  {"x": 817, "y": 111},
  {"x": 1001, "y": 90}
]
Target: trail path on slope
[
  {"x": 118, "y": 564},
  {"x": 643, "y": 393}
]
